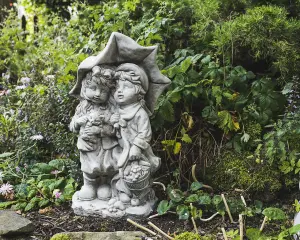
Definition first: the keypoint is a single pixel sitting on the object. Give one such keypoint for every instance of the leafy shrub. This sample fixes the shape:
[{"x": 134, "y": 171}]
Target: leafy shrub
[{"x": 40, "y": 185}]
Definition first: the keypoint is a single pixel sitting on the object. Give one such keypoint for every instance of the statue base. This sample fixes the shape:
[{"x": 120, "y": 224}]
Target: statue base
[{"x": 100, "y": 208}]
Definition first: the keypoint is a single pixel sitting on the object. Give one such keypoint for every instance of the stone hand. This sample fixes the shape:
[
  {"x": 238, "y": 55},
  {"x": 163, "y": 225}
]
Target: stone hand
[
  {"x": 115, "y": 118},
  {"x": 92, "y": 130},
  {"x": 135, "y": 153},
  {"x": 82, "y": 120}
]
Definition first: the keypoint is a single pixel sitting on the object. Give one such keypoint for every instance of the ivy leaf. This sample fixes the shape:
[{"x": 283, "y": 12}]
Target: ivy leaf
[
  {"x": 163, "y": 207},
  {"x": 196, "y": 186},
  {"x": 183, "y": 212},
  {"x": 274, "y": 213},
  {"x": 186, "y": 138}
]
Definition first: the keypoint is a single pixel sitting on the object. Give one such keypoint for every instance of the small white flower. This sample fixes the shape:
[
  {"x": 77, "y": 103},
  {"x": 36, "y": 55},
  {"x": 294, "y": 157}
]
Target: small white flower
[
  {"x": 50, "y": 77},
  {"x": 21, "y": 87},
  {"x": 6, "y": 188},
  {"x": 25, "y": 80},
  {"x": 37, "y": 137}
]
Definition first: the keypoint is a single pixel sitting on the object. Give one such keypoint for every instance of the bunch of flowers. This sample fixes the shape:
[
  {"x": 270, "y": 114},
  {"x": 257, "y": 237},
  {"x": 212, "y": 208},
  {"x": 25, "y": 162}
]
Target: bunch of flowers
[{"x": 7, "y": 191}]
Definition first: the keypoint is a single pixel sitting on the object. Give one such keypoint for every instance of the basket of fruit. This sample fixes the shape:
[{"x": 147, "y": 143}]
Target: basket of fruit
[{"x": 138, "y": 178}]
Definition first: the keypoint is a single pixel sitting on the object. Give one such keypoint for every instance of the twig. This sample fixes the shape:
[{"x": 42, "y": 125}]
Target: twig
[
  {"x": 241, "y": 227},
  {"x": 193, "y": 220},
  {"x": 160, "y": 231},
  {"x": 227, "y": 208},
  {"x": 196, "y": 180},
  {"x": 263, "y": 223},
  {"x": 157, "y": 215},
  {"x": 161, "y": 184},
  {"x": 224, "y": 234},
  {"x": 210, "y": 218},
  {"x": 141, "y": 227},
  {"x": 243, "y": 200},
  {"x": 195, "y": 226}
]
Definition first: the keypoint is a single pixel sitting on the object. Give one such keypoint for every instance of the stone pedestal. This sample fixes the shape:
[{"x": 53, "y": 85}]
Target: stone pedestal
[{"x": 99, "y": 208}]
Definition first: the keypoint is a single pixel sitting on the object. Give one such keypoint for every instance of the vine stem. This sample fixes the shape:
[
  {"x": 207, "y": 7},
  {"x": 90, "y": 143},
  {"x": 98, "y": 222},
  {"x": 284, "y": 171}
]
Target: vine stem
[
  {"x": 141, "y": 227},
  {"x": 227, "y": 208},
  {"x": 161, "y": 184},
  {"x": 224, "y": 234},
  {"x": 196, "y": 180},
  {"x": 160, "y": 231},
  {"x": 263, "y": 223},
  {"x": 210, "y": 218}
]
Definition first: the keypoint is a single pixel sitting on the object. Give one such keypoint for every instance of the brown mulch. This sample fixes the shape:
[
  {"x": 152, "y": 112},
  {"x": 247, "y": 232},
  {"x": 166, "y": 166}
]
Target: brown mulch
[{"x": 62, "y": 219}]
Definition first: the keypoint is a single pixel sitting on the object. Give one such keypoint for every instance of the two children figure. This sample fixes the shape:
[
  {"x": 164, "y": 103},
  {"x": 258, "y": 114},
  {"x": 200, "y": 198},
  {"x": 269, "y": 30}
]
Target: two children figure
[{"x": 114, "y": 130}]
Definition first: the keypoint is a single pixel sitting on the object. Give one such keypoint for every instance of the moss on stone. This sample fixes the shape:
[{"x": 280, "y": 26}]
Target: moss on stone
[
  {"x": 61, "y": 236},
  {"x": 235, "y": 170}
]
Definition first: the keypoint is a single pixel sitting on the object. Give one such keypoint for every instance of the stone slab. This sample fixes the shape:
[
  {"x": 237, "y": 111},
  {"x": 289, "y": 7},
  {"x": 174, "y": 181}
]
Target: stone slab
[
  {"x": 12, "y": 223},
  {"x": 120, "y": 235}
]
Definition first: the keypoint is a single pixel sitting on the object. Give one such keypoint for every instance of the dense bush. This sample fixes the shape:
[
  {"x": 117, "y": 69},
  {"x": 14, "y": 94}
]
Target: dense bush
[{"x": 233, "y": 66}]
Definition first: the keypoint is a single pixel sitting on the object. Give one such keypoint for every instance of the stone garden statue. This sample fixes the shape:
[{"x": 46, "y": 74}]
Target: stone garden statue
[{"x": 118, "y": 90}]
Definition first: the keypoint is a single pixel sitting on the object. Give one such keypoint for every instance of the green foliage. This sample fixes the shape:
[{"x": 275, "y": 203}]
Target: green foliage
[
  {"x": 188, "y": 236},
  {"x": 267, "y": 33},
  {"x": 195, "y": 202},
  {"x": 41, "y": 185},
  {"x": 240, "y": 171}
]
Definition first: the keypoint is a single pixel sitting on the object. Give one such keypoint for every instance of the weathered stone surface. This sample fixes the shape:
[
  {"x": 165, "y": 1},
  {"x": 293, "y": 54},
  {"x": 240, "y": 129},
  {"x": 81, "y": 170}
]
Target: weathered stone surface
[
  {"x": 118, "y": 90},
  {"x": 12, "y": 223},
  {"x": 121, "y": 235}
]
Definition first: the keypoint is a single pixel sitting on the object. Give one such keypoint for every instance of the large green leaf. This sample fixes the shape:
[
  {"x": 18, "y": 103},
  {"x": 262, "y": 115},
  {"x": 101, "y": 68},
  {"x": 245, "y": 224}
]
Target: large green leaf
[
  {"x": 163, "y": 207},
  {"x": 183, "y": 212},
  {"x": 274, "y": 213}
]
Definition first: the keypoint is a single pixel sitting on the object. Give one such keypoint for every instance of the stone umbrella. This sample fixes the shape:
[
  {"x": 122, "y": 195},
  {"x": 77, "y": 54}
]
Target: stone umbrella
[{"x": 122, "y": 49}]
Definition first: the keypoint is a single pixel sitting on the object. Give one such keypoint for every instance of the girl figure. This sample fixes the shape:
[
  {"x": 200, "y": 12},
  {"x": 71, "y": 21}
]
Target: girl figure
[
  {"x": 96, "y": 142},
  {"x": 134, "y": 124}
]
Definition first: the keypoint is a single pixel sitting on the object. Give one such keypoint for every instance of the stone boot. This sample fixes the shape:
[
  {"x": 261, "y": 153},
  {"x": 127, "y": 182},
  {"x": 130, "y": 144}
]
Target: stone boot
[
  {"x": 88, "y": 190},
  {"x": 104, "y": 192}
]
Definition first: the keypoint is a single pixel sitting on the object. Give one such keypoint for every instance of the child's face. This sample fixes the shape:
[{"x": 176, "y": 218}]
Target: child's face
[
  {"x": 96, "y": 93},
  {"x": 125, "y": 93}
]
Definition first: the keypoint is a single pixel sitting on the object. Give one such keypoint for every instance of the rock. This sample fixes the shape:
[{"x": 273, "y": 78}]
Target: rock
[
  {"x": 13, "y": 224},
  {"x": 121, "y": 235}
]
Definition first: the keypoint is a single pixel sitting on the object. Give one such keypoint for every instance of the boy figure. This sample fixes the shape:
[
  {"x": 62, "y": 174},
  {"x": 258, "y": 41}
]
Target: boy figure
[{"x": 133, "y": 119}]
